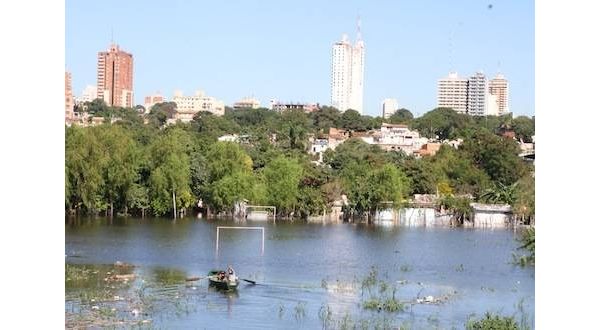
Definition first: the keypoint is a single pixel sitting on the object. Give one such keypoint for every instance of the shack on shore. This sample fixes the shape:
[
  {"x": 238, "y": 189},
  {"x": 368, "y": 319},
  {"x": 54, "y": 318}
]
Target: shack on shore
[{"x": 491, "y": 215}]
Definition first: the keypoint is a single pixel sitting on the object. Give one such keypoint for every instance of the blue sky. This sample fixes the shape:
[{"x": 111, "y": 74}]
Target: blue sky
[{"x": 282, "y": 49}]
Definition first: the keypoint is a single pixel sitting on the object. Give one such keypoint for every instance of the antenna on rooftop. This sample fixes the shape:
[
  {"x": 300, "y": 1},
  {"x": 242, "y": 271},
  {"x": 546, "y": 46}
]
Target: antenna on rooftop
[
  {"x": 450, "y": 50},
  {"x": 358, "y": 34}
]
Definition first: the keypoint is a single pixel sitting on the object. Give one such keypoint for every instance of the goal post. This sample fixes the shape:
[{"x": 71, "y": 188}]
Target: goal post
[{"x": 262, "y": 230}]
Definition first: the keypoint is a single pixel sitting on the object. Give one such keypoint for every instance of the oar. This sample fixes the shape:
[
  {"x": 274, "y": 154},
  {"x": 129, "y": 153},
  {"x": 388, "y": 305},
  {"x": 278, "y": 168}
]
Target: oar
[
  {"x": 249, "y": 281},
  {"x": 190, "y": 279}
]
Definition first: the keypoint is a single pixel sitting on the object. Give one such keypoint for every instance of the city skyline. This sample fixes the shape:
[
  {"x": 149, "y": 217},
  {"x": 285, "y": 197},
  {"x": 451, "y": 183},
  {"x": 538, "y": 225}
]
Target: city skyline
[{"x": 410, "y": 47}]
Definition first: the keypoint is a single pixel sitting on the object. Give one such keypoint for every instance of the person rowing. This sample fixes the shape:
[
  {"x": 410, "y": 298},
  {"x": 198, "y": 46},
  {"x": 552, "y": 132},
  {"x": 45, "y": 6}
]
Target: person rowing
[{"x": 231, "y": 274}]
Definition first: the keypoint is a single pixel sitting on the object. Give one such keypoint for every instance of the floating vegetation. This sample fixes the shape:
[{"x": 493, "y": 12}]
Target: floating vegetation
[
  {"x": 300, "y": 311},
  {"x": 112, "y": 296},
  {"x": 492, "y": 321}
]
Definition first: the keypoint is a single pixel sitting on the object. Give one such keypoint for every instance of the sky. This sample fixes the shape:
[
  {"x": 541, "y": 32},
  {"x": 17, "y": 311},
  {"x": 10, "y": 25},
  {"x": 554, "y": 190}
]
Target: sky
[{"x": 282, "y": 49}]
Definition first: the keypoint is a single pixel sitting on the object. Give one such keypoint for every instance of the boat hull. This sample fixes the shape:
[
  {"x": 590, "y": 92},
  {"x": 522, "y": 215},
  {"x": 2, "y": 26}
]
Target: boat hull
[{"x": 223, "y": 284}]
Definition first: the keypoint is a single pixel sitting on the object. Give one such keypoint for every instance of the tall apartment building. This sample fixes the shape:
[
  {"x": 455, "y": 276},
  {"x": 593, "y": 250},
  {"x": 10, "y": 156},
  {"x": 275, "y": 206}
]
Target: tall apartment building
[
  {"x": 347, "y": 74},
  {"x": 452, "y": 93},
  {"x": 115, "y": 77},
  {"x": 499, "y": 87},
  {"x": 69, "y": 103},
  {"x": 389, "y": 107},
  {"x": 477, "y": 91}
]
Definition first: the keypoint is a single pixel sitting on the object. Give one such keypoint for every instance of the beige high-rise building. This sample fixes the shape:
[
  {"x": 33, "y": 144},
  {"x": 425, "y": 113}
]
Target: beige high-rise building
[
  {"x": 452, "y": 93},
  {"x": 115, "y": 77},
  {"x": 347, "y": 74},
  {"x": 499, "y": 87},
  {"x": 69, "y": 102}
]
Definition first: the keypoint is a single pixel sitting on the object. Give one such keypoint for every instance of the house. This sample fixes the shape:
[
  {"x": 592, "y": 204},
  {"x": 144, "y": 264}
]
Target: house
[{"x": 396, "y": 137}]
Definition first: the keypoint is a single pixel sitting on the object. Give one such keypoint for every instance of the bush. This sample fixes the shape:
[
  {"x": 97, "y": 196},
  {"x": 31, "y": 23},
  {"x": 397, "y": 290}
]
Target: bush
[{"x": 492, "y": 322}]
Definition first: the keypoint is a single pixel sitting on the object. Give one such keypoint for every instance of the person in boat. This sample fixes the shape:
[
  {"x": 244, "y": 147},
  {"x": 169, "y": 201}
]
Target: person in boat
[
  {"x": 231, "y": 274},
  {"x": 221, "y": 275}
]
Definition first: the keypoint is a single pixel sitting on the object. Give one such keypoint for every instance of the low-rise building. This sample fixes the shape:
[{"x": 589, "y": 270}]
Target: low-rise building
[
  {"x": 189, "y": 106},
  {"x": 247, "y": 103},
  {"x": 396, "y": 137},
  {"x": 306, "y": 107},
  {"x": 336, "y": 137},
  {"x": 429, "y": 149}
]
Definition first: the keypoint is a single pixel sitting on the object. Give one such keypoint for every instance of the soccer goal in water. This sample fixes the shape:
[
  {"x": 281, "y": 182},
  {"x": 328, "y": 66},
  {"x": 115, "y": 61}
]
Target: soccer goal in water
[{"x": 262, "y": 230}]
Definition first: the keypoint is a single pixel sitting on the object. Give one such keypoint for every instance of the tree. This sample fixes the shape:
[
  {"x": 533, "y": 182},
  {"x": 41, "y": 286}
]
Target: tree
[
  {"x": 524, "y": 128},
  {"x": 96, "y": 106},
  {"x": 282, "y": 177},
  {"x": 227, "y": 176},
  {"x": 352, "y": 120},
  {"x": 170, "y": 176},
  {"x": 325, "y": 118},
  {"x": 459, "y": 171},
  {"x": 388, "y": 184},
  {"x": 421, "y": 175},
  {"x": 401, "y": 116},
  {"x": 442, "y": 123},
  {"x": 497, "y": 156},
  {"x": 84, "y": 160},
  {"x": 160, "y": 112},
  {"x": 121, "y": 167},
  {"x": 353, "y": 150}
]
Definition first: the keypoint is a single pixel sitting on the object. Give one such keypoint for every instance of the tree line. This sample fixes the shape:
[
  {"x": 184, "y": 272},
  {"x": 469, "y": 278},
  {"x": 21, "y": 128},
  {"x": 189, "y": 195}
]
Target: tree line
[{"x": 132, "y": 167}]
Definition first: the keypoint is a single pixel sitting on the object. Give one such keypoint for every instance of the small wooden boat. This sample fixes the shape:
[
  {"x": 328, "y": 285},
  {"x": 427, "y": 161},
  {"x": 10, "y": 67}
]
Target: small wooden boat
[{"x": 220, "y": 280}]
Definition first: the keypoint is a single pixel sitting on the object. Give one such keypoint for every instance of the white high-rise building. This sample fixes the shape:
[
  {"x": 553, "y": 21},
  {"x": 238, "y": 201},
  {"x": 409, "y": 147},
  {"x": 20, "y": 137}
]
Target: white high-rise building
[
  {"x": 499, "y": 87},
  {"x": 477, "y": 93},
  {"x": 452, "y": 93},
  {"x": 347, "y": 74},
  {"x": 389, "y": 107},
  {"x": 491, "y": 106}
]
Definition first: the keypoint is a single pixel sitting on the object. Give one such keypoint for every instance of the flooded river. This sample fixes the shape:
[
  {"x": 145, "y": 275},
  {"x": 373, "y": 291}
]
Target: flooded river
[{"x": 308, "y": 276}]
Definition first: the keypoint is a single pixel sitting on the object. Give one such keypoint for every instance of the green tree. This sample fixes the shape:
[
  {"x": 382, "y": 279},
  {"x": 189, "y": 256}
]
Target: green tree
[
  {"x": 122, "y": 160},
  {"x": 442, "y": 123},
  {"x": 388, "y": 184},
  {"x": 497, "y": 156},
  {"x": 170, "y": 176},
  {"x": 524, "y": 128},
  {"x": 282, "y": 178},
  {"x": 401, "y": 116},
  {"x": 160, "y": 112},
  {"x": 84, "y": 160},
  {"x": 325, "y": 118},
  {"x": 227, "y": 174}
]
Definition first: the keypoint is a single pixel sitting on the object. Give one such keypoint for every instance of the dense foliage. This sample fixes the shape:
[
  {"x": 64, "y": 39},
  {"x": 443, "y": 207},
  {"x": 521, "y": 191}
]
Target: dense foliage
[{"x": 130, "y": 167}]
